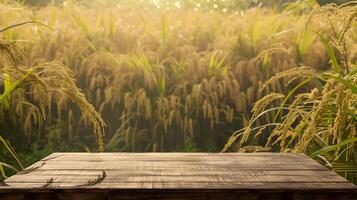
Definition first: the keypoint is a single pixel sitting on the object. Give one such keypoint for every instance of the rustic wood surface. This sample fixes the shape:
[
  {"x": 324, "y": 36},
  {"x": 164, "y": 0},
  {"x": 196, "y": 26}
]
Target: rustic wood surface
[{"x": 179, "y": 175}]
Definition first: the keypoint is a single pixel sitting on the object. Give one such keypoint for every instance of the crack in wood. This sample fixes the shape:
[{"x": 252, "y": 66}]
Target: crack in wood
[
  {"x": 2, "y": 183},
  {"x": 49, "y": 182},
  {"x": 98, "y": 180}
]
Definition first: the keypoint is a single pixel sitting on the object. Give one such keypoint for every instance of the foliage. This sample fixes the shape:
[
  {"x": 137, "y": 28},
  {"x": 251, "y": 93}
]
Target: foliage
[
  {"x": 322, "y": 122},
  {"x": 169, "y": 78},
  {"x": 25, "y": 86},
  {"x": 158, "y": 79}
]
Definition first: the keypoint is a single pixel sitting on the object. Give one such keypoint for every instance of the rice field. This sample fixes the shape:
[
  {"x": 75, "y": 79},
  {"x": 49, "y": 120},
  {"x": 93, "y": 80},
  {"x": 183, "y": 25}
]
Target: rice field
[{"x": 167, "y": 76}]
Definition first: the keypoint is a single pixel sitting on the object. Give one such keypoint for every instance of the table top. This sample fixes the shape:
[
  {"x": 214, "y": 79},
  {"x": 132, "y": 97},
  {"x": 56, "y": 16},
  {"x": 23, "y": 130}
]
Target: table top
[{"x": 177, "y": 171}]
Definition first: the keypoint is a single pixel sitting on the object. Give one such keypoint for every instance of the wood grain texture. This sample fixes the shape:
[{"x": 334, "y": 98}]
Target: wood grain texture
[{"x": 176, "y": 176}]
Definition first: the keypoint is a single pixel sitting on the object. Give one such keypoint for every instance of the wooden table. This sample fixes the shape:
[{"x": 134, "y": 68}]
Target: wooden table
[{"x": 100, "y": 176}]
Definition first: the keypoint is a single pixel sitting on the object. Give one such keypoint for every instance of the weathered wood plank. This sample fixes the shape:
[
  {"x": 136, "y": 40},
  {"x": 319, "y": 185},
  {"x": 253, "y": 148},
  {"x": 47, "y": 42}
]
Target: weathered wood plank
[
  {"x": 176, "y": 173},
  {"x": 173, "y": 156},
  {"x": 183, "y": 194},
  {"x": 38, "y": 187},
  {"x": 183, "y": 176},
  {"x": 162, "y": 166}
]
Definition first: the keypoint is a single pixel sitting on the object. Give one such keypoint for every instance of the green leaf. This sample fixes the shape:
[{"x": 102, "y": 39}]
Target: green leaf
[
  {"x": 330, "y": 53},
  {"x": 14, "y": 86},
  {"x": 161, "y": 86},
  {"x": 346, "y": 83},
  {"x": 2, "y": 171},
  {"x": 12, "y": 152},
  {"x": 7, "y": 86},
  {"x": 327, "y": 149},
  {"x": 304, "y": 42},
  {"x": 291, "y": 92},
  {"x": 2, "y": 165},
  {"x": 24, "y": 23}
]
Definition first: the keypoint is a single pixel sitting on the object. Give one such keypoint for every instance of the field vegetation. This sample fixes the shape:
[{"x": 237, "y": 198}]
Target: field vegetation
[{"x": 139, "y": 76}]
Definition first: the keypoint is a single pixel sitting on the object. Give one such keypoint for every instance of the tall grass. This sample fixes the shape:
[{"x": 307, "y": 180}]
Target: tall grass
[
  {"x": 161, "y": 80},
  {"x": 320, "y": 122},
  {"x": 29, "y": 90}
]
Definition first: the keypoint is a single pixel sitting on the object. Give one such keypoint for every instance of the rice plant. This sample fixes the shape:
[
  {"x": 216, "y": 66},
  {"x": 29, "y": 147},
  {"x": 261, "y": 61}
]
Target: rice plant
[
  {"x": 162, "y": 80},
  {"x": 320, "y": 122},
  {"x": 29, "y": 90}
]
